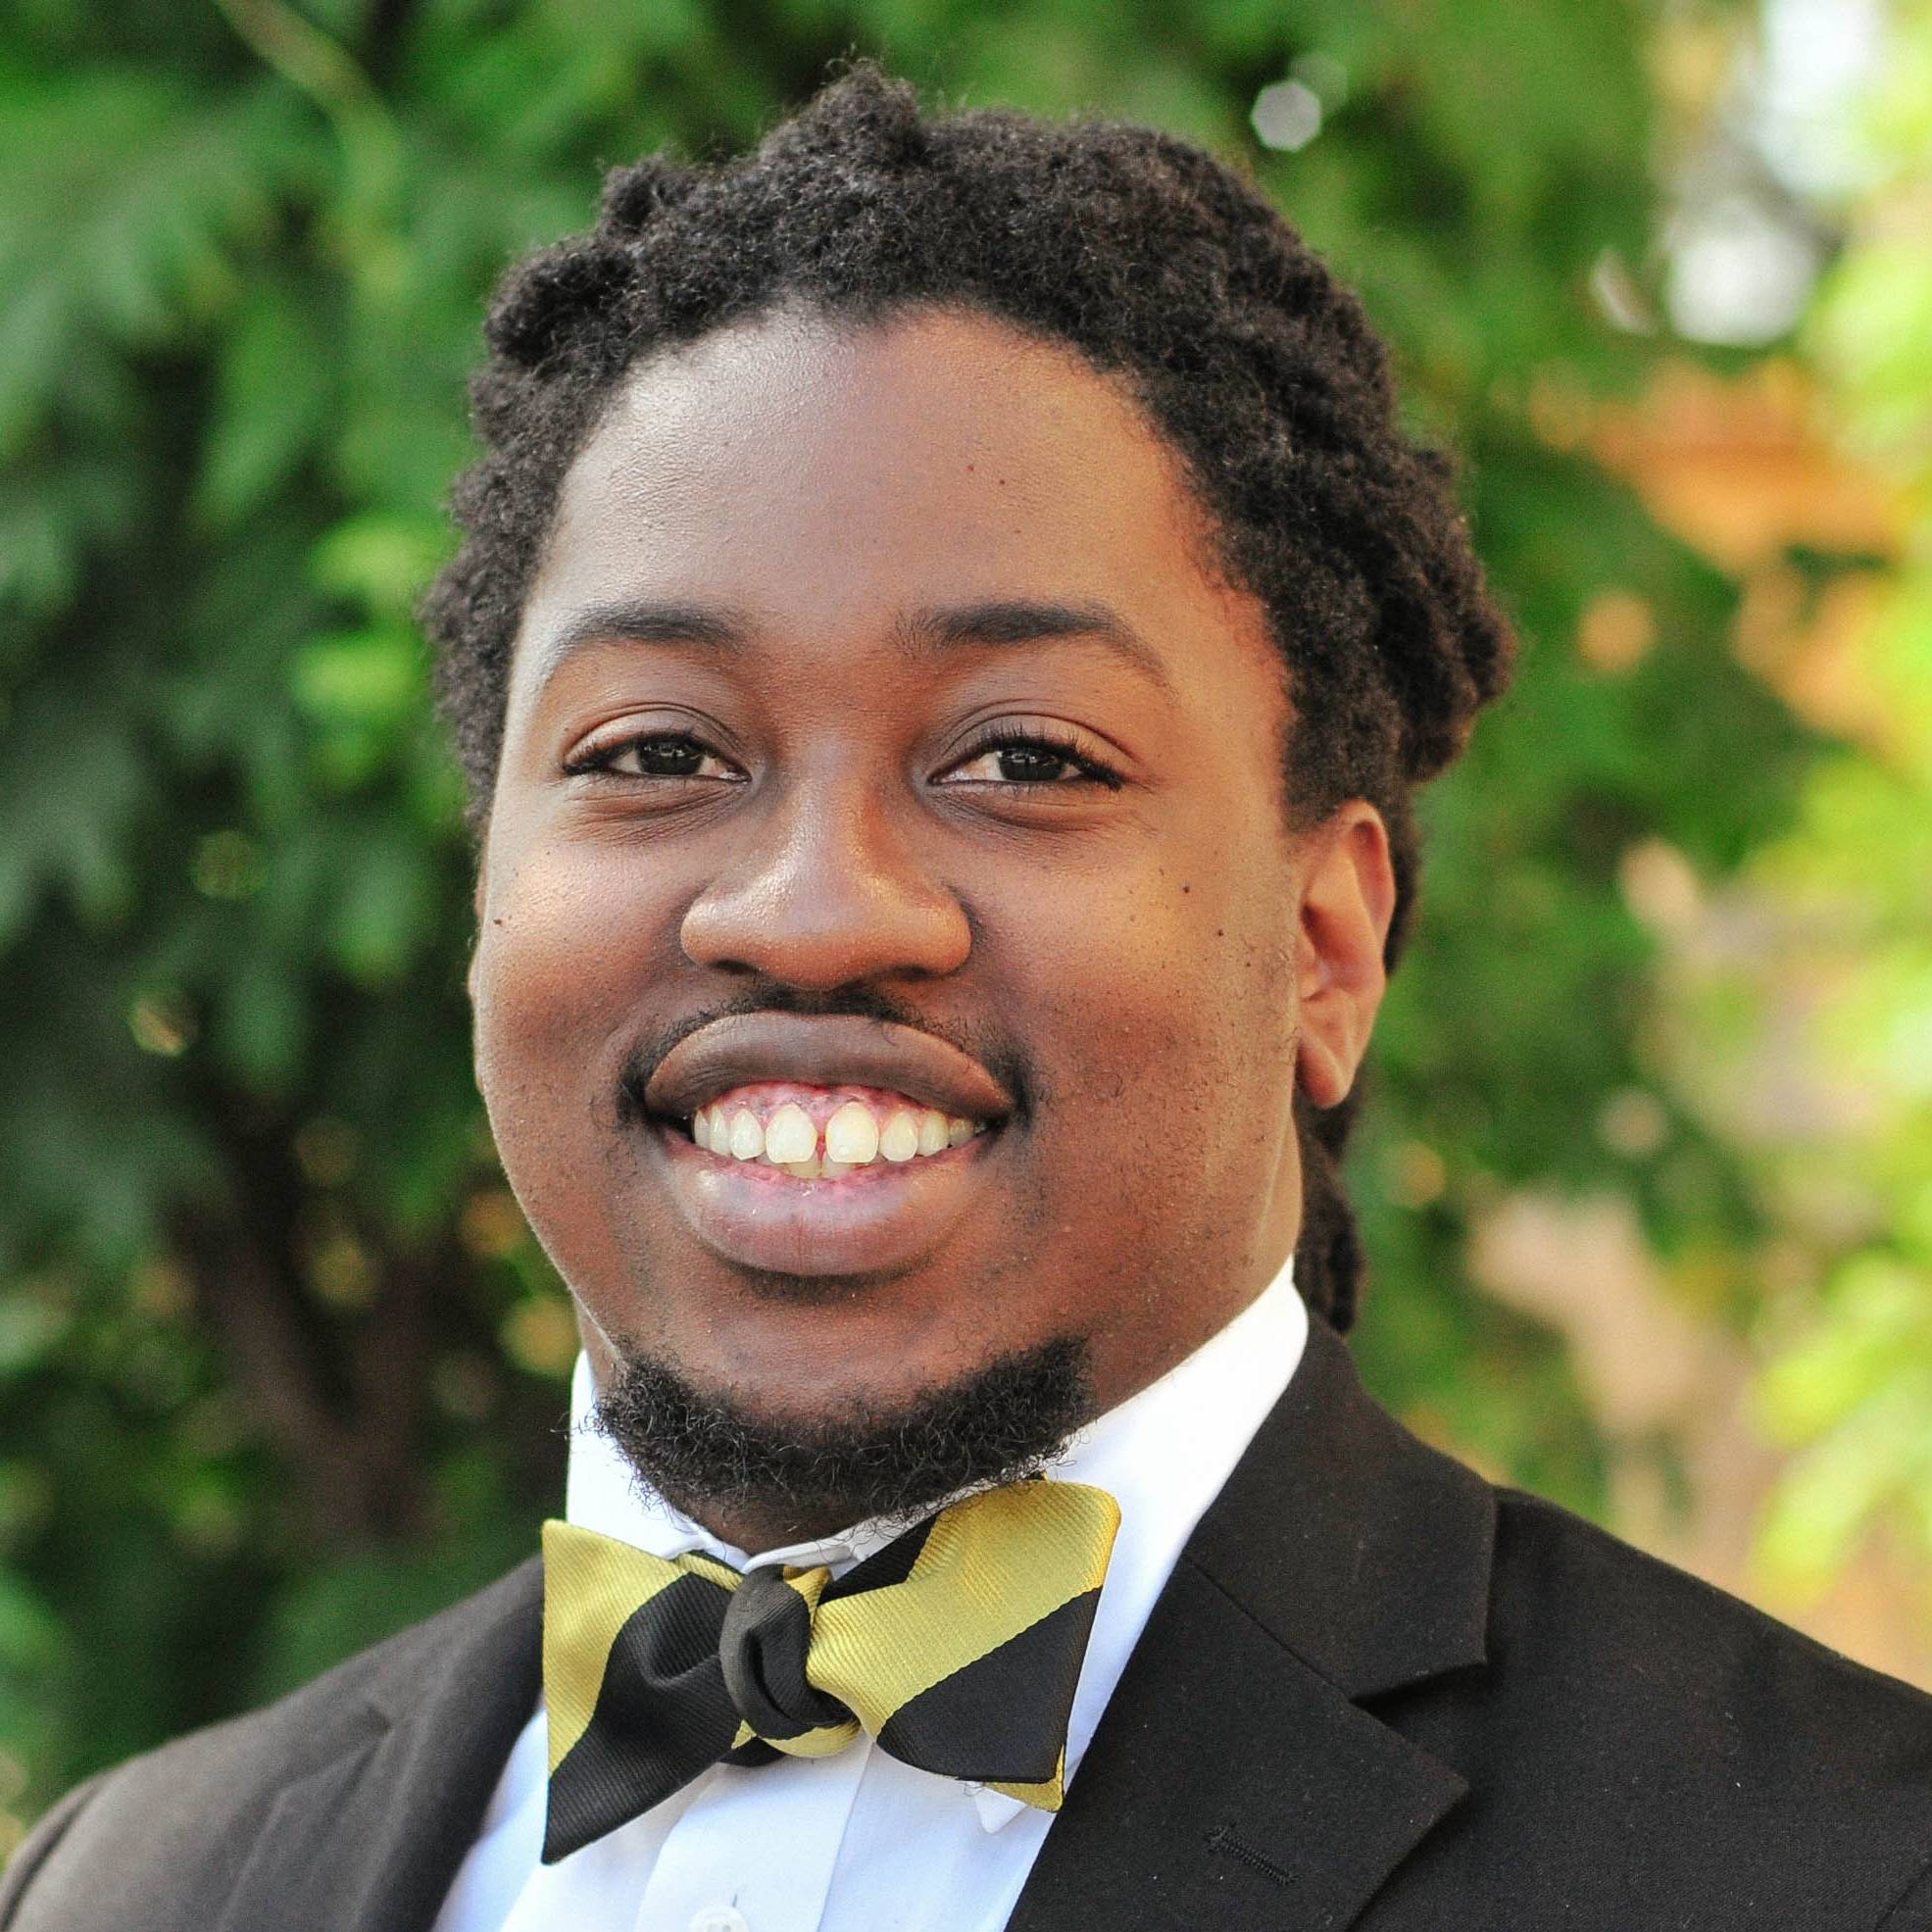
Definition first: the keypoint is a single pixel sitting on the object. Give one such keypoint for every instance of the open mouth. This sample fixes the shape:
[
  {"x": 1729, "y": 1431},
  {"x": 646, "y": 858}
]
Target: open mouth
[
  {"x": 822, "y": 1134},
  {"x": 826, "y": 1145}
]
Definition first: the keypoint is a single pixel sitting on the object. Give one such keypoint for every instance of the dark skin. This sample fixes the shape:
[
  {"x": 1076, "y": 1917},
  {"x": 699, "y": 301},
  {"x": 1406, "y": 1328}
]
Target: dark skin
[{"x": 799, "y": 807}]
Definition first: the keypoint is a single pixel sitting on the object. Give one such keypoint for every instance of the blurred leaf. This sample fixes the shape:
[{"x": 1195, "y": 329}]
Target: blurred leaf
[{"x": 272, "y": 397}]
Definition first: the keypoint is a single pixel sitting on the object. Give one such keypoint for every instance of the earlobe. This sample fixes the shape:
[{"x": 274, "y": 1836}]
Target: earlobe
[{"x": 1347, "y": 901}]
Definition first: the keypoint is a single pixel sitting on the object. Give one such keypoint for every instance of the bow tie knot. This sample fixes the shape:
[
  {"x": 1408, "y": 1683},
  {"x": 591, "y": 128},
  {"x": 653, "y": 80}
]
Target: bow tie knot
[
  {"x": 762, "y": 1645},
  {"x": 956, "y": 1647}
]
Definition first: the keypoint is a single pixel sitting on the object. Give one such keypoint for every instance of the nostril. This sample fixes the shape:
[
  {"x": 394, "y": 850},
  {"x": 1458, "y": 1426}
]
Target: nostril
[{"x": 815, "y": 927}]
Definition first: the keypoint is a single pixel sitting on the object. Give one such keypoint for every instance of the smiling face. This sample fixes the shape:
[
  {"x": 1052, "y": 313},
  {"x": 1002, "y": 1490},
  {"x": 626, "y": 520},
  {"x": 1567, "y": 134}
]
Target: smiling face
[{"x": 891, "y": 954}]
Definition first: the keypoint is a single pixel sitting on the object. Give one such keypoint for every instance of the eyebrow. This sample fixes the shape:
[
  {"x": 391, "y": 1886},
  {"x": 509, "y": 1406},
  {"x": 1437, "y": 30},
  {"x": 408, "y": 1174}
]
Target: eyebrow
[{"x": 930, "y": 633}]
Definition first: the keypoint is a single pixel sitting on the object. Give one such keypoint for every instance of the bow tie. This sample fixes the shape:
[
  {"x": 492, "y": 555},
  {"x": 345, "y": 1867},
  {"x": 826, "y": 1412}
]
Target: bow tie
[{"x": 957, "y": 1648}]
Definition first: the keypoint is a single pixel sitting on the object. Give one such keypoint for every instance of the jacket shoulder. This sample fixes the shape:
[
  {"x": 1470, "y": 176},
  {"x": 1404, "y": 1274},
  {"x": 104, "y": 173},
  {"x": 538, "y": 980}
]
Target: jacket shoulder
[
  {"x": 193, "y": 1806},
  {"x": 1705, "y": 1756},
  {"x": 1568, "y": 1597}
]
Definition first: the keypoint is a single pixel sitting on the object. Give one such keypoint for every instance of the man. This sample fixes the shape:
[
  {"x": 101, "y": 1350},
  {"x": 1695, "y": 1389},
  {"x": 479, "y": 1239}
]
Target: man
[{"x": 946, "y": 639}]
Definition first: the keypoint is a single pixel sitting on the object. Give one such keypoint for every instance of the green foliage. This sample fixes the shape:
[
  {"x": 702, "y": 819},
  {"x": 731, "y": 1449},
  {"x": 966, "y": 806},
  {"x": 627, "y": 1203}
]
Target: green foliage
[
  {"x": 1851, "y": 1393},
  {"x": 278, "y": 1367}
]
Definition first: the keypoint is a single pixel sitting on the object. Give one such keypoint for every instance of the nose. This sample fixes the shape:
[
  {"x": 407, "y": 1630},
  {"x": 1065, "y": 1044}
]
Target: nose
[{"x": 826, "y": 892}]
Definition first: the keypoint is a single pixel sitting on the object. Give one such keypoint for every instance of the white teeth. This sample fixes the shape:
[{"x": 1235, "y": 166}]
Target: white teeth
[
  {"x": 852, "y": 1135},
  {"x": 791, "y": 1136}
]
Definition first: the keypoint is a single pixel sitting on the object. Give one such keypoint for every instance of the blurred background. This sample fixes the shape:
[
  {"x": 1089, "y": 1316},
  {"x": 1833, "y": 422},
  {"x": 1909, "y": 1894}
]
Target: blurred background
[{"x": 1647, "y": 1174}]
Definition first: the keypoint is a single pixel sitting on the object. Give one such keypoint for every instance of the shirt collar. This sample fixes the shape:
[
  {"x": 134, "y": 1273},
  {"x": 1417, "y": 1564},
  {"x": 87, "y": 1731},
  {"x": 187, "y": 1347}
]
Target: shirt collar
[{"x": 1163, "y": 1454}]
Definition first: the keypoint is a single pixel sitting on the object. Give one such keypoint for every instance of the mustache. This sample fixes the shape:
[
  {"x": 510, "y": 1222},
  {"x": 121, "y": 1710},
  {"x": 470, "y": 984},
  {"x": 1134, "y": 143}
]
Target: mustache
[{"x": 1002, "y": 1057}]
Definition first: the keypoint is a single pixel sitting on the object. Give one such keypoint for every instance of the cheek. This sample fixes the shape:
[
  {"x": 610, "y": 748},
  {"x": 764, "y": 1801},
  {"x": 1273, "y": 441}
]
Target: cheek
[
  {"x": 564, "y": 945},
  {"x": 564, "y": 948},
  {"x": 1162, "y": 1024},
  {"x": 1170, "y": 1002}
]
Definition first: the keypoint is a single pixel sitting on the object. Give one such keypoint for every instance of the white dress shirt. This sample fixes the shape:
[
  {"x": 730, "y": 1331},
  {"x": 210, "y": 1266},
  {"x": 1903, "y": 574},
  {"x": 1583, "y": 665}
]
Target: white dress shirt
[{"x": 860, "y": 1842}]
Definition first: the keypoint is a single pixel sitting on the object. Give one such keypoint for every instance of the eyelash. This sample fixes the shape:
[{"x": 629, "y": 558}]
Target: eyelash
[
  {"x": 598, "y": 762},
  {"x": 1062, "y": 744}
]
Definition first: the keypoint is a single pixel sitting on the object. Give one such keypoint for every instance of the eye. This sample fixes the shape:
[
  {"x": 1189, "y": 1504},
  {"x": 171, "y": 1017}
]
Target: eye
[
  {"x": 1029, "y": 757},
  {"x": 654, "y": 755}
]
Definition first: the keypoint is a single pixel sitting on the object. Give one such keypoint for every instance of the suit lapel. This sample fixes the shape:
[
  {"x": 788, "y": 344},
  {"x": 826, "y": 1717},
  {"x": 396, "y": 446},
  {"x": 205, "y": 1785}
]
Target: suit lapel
[
  {"x": 373, "y": 1835},
  {"x": 1235, "y": 1779}
]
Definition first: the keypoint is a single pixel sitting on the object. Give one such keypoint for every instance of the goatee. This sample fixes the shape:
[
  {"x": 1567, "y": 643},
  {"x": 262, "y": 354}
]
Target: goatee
[{"x": 714, "y": 1458}]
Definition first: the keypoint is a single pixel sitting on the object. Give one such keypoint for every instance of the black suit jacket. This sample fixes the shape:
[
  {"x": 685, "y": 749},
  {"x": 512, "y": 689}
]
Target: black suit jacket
[{"x": 1376, "y": 1693}]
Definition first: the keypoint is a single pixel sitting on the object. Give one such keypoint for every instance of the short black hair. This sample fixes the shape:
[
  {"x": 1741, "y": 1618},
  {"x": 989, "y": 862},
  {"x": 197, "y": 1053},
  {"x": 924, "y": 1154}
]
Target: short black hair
[{"x": 1168, "y": 272}]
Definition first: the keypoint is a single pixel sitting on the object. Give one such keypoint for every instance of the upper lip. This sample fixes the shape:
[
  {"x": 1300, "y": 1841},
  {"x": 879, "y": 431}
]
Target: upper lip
[{"x": 822, "y": 1050}]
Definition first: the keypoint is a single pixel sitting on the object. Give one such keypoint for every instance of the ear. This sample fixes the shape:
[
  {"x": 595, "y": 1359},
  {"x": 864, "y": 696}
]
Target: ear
[{"x": 1347, "y": 901}]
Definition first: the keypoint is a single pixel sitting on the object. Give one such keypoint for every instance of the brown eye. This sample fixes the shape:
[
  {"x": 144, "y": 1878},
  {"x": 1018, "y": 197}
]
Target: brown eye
[
  {"x": 1018, "y": 765},
  {"x": 1022, "y": 759},
  {"x": 669, "y": 755}
]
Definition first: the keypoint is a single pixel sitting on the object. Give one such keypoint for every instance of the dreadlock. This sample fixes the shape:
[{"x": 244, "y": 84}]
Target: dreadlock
[{"x": 1165, "y": 272}]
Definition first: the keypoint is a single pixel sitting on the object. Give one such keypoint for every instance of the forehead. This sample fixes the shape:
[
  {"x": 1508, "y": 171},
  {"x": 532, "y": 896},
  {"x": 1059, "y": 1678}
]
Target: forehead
[{"x": 817, "y": 475}]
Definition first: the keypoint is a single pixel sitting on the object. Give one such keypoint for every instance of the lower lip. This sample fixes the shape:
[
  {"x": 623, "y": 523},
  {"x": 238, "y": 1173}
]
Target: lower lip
[{"x": 875, "y": 1221}]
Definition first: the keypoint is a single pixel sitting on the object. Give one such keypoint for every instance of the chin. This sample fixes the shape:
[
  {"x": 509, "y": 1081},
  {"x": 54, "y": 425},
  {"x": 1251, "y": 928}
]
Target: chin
[
  {"x": 808, "y": 1344},
  {"x": 806, "y": 1389},
  {"x": 849, "y": 1448}
]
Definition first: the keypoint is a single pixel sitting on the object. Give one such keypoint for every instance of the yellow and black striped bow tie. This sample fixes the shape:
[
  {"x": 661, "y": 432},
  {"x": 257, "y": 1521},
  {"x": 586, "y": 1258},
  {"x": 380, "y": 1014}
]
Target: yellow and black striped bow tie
[{"x": 956, "y": 1647}]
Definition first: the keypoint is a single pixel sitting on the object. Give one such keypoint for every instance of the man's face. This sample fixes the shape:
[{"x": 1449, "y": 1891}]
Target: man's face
[{"x": 884, "y": 759}]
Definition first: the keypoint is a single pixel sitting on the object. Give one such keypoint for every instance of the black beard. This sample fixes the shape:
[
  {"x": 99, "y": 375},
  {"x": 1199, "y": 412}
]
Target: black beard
[{"x": 712, "y": 1457}]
